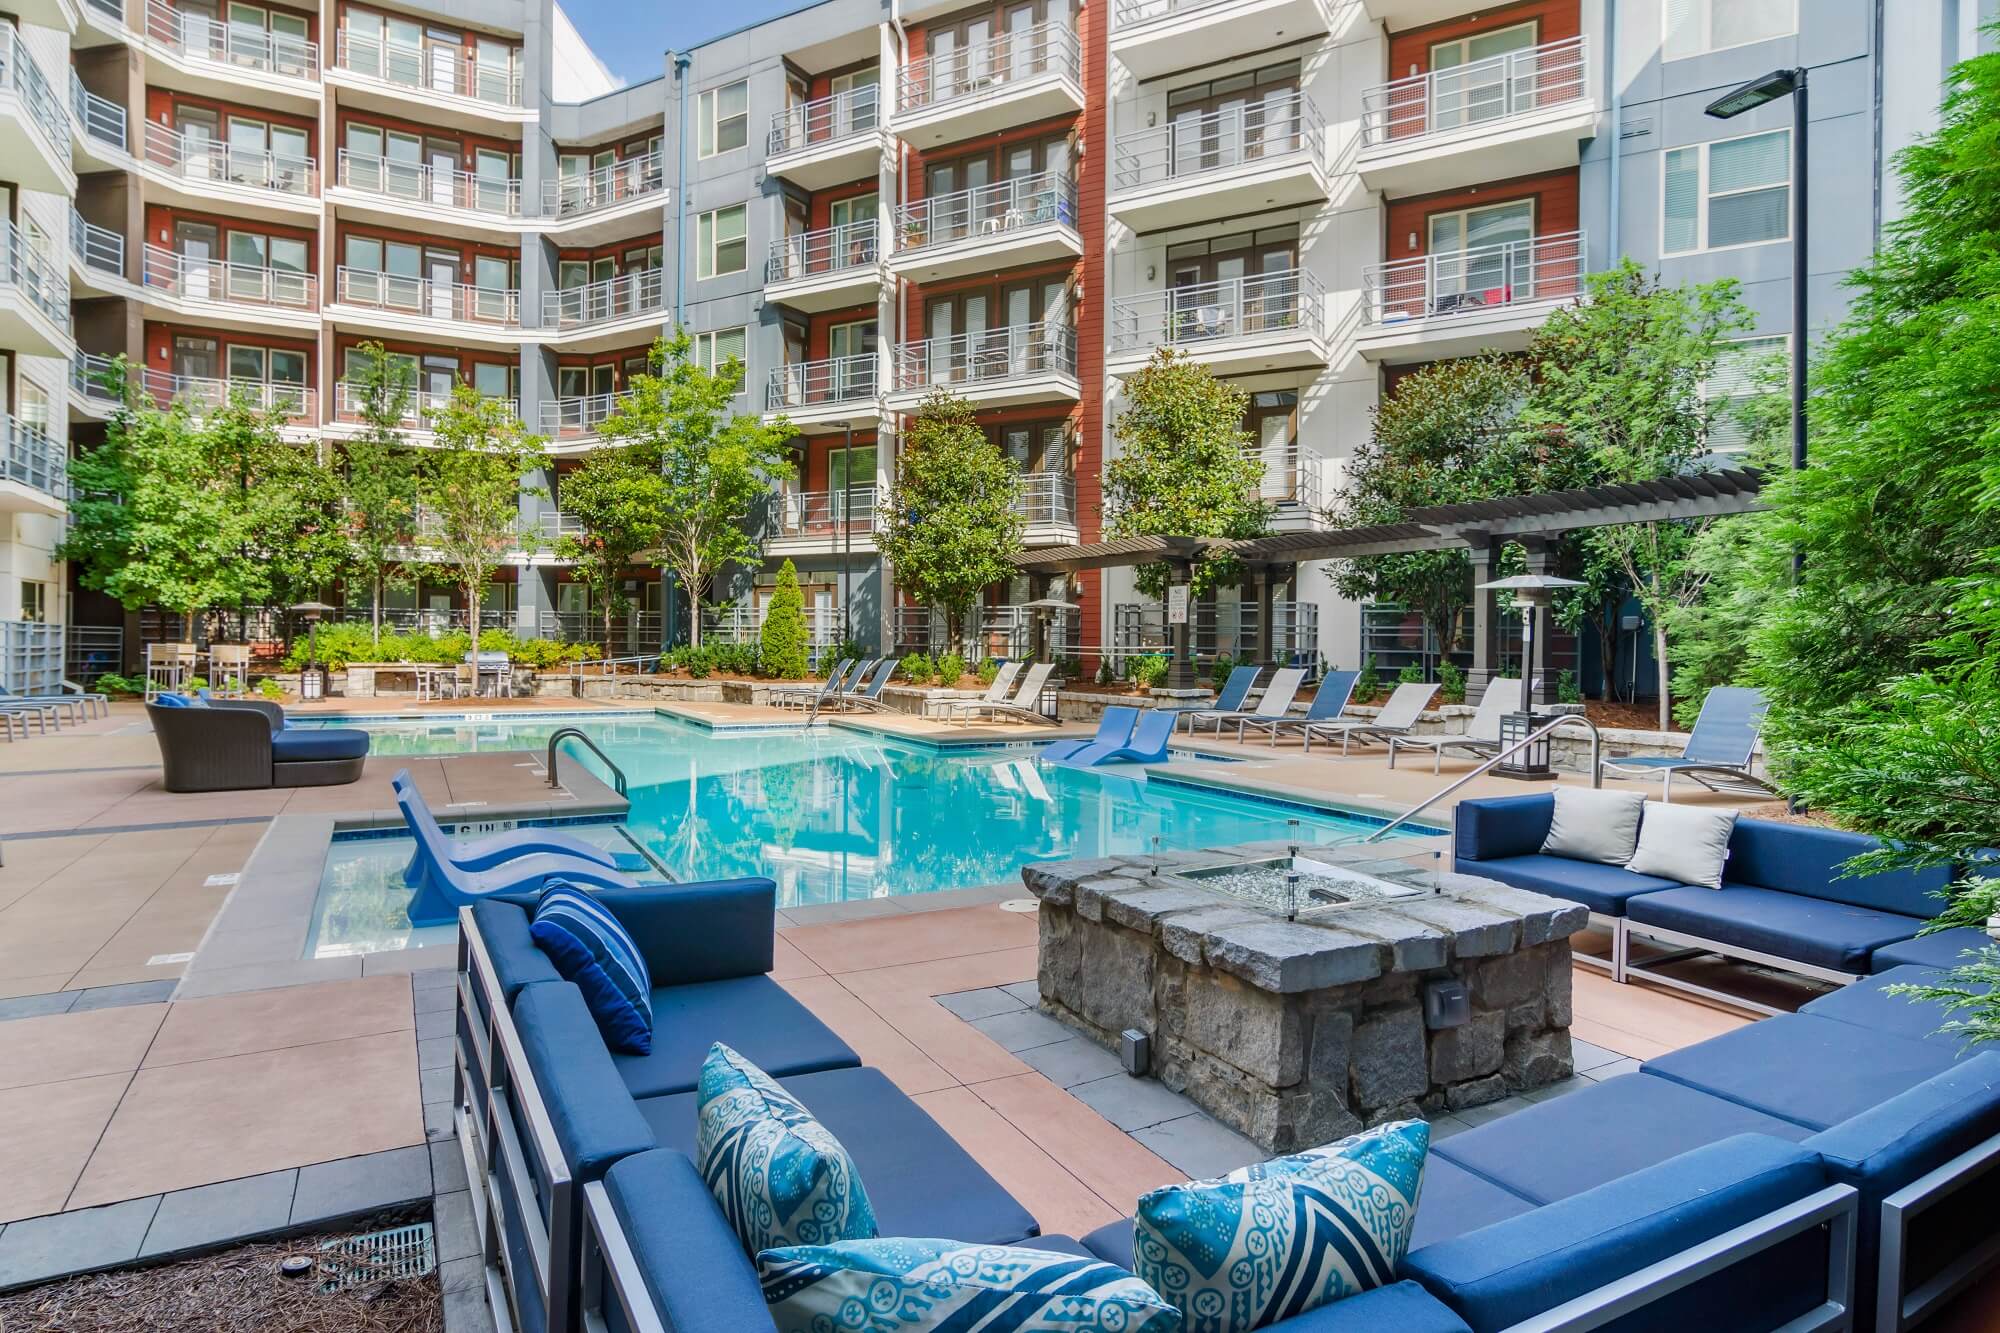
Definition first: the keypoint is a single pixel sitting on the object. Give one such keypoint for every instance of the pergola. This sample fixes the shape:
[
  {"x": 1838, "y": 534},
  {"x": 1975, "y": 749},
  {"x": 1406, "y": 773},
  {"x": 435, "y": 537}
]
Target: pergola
[{"x": 1536, "y": 523}]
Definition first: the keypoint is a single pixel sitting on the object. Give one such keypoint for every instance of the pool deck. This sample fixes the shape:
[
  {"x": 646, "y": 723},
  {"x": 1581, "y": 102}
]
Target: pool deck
[{"x": 156, "y": 1102}]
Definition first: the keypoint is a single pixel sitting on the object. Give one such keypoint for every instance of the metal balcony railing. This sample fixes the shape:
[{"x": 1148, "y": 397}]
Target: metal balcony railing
[
  {"x": 28, "y": 269},
  {"x": 1009, "y": 631},
  {"x": 1218, "y": 629},
  {"x": 87, "y": 375},
  {"x": 100, "y": 118},
  {"x": 806, "y": 513},
  {"x": 201, "y": 37},
  {"x": 21, "y": 76},
  {"x": 1131, "y": 13},
  {"x": 626, "y": 296},
  {"x": 202, "y": 159},
  {"x": 988, "y": 211},
  {"x": 431, "y": 69},
  {"x": 349, "y": 404},
  {"x": 422, "y": 298},
  {"x": 606, "y": 187},
  {"x": 825, "y": 120},
  {"x": 201, "y": 394},
  {"x": 100, "y": 248},
  {"x": 1048, "y": 499},
  {"x": 110, "y": 9},
  {"x": 574, "y": 417},
  {"x": 814, "y": 254},
  {"x": 30, "y": 458},
  {"x": 1463, "y": 282},
  {"x": 1012, "y": 352},
  {"x": 1262, "y": 305},
  {"x": 988, "y": 66},
  {"x": 554, "y": 523},
  {"x": 422, "y": 183},
  {"x": 812, "y": 384},
  {"x": 1290, "y": 478},
  {"x": 192, "y": 278},
  {"x": 1484, "y": 92},
  {"x": 31, "y": 657},
  {"x": 1281, "y": 125}
]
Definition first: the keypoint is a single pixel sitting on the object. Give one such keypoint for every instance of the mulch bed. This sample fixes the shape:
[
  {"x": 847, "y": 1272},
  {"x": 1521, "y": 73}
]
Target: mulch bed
[{"x": 233, "y": 1291}]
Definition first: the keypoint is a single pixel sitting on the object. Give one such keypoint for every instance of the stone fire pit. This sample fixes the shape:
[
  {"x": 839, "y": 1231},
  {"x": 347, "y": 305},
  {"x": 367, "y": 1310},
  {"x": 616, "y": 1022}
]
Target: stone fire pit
[{"x": 1295, "y": 1011}]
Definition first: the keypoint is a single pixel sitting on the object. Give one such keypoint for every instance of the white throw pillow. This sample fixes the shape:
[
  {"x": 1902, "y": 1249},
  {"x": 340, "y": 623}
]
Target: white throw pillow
[
  {"x": 1684, "y": 843},
  {"x": 1592, "y": 825}
]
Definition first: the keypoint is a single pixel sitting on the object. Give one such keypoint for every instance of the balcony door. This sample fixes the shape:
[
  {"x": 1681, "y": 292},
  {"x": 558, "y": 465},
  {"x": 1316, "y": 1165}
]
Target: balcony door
[
  {"x": 960, "y": 55},
  {"x": 1482, "y": 256},
  {"x": 850, "y": 481},
  {"x": 445, "y": 56},
  {"x": 853, "y": 222},
  {"x": 857, "y": 111},
  {"x": 1226, "y": 122},
  {"x": 955, "y": 324},
  {"x": 195, "y": 243},
  {"x": 852, "y": 347},
  {"x": 441, "y": 275},
  {"x": 1469, "y": 78},
  {"x": 1034, "y": 313},
  {"x": 439, "y": 376},
  {"x": 197, "y": 358},
  {"x": 200, "y": 129},
  {"x": 442, "y": 159}
]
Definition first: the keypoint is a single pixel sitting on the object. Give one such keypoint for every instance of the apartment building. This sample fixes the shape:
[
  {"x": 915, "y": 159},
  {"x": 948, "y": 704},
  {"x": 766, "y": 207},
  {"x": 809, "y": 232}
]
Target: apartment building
[{"x": 865, "y": 200}]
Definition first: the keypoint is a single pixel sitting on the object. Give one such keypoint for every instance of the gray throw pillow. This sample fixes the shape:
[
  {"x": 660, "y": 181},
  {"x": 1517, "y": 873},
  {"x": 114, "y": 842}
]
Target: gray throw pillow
[
  {"x": 1684, "y": 843},
  {"x": 1592, "y": 825}
]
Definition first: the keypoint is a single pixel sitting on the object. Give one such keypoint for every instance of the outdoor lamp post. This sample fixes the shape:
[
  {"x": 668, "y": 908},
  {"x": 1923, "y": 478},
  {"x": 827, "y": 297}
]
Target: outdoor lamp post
[
  {"x": 1532, "y": 592},
  {"x": 312, "y": 681}
]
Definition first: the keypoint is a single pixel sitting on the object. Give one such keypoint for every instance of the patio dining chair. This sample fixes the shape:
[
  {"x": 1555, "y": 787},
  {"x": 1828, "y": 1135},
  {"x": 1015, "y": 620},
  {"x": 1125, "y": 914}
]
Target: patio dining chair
[{"x": 1718, "y": 750}]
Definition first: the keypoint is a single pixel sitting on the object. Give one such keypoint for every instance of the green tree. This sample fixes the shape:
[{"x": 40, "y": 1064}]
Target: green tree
[
  {"x": 715, "y": 462},
  {"x": 473, "y": 482},
  {"x": 380, "y": 499},
  {"x": 1183, "y": 468},
  {"x": 954, "y": 520},
  {"x": 783, "y": 641},
  {"x": 619, "y": 499}
]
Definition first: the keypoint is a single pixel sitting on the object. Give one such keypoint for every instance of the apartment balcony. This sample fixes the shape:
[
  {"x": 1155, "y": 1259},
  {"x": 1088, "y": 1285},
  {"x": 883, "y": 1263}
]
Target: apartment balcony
[
  {"x": 438, "y": 85},
  {"x": 100, "y": 21},
  {"x": 1016, "y": 78},
  {"x": 1238, "y": 326},
  {"x": 819, "y": 522},
  {"x": 1247, "y": 159},
  {"x": 829, "y": 140},
  {"x": 820, "y": 397},
  {"x": 34, "y": 299},
  {"x": 34, "y": 470},
  {"x": 600, "y": 205},
  {"x": 350, "y": 411},
  {"x": 1516, "y": 114},
  {"x": 1030, "y": 220},
  {"x": 1011, "y": 366},
  {"x": 571, "y": 424},
  {"x": 1154, "y": 37},
  {"x": 90, "y": 396},
  {"x": 450, "y": 312},
  {"x": 608, "y": 313},
  {"x": 399, "y": 193},
  {"x": 1490, "y": 298},
  {"x": 241, "y": 296},
  {"x": 97, "y": 258},
  {"x": 829, "y": 269},
  {"x": 98, "y": 127},
  {"x": 297, "y": 404},
  {"x": 200, "y": 53},
  {"x": 34, "y": 124},
  {"x": 1290, "y": 484},
  {"x": 1047, "y": 505},
  {"x": 1397, "y": 15},
  {"x": 203, "y": 174}
]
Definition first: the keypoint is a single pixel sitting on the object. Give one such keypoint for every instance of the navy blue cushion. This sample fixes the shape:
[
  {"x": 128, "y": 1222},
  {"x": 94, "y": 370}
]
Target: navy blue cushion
[
  {"x": 1401, "y": 1307},
  {"x": 1946, "y": 948},
  {"x": 594, "y": 1118},
  {"x": 1868, "y": 1004},
  {"x": 297, "y": 745},
  {"x": 1112, "y": 1242},
  {"x": 1455, "y": 1200},
  {"x": 1501, "y": 826},
  {"x": 694, "y": 1266},
  {"x": 1789, "y": 925},
  {"x": 1806, "y": 859},
  {"x": 753, "y": 1015},
  {"x": 700, "y": 931},
  {"x": 1619, "y": 1126},
  {"x": 1601, "y": 888},
  {"x": 589, "y": 947},
  {"x": 1503, "y": 1274},
  {"x": 1060, "y": 1245},
  {"x": 1811, "y": 1071},
  {"x": 517, "y": 960},
  {"x": 919, "y": 1180}
]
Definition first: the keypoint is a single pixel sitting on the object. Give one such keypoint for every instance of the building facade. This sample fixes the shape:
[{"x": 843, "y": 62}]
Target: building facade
[{"x": 867, "y": 200}]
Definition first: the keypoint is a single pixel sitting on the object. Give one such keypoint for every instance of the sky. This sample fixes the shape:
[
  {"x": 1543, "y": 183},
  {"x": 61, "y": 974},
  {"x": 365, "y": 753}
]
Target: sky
[{"x": 633, "y": 38}]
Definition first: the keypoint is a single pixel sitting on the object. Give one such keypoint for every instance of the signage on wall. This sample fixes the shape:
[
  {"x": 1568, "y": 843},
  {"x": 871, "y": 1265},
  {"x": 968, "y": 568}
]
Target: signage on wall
[{"x": 1177, "y": 604}]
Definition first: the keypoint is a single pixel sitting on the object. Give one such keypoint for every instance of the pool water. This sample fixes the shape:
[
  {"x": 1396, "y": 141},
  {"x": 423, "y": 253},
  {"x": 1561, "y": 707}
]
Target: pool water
[{"x": 830, "y": 814}]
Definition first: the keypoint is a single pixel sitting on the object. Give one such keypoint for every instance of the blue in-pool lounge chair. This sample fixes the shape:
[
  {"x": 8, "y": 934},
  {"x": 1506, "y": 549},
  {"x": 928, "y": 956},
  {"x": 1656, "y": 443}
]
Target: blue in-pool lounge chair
[
  {"x": 1235, "y": 690},
  {"x": 499, "y": 848},
  {"x": 1335, "y": 689},
  {"x": 1114, "y": 728},
  {"x": 1718, "y": 750},
  {"x": 442, "y": 888},
  {"x": 1146, "y": 745}
]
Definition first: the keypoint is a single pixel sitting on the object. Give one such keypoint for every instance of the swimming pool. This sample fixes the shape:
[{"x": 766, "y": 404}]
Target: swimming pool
[{"x": 834, "y": 815}]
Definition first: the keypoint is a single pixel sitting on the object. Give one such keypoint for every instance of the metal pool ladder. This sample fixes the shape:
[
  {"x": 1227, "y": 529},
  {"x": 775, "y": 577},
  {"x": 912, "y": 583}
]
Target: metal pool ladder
[
  {"x": 562, "y": 734},
  {"x": 1566, "y": 719}
]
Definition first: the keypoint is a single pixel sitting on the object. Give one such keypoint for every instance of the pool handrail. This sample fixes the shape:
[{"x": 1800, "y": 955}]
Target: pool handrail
[{"x": 561, "y": 734}]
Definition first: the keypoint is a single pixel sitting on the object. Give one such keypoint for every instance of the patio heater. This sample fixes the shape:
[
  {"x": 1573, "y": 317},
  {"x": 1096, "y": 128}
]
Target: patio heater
[
  {"x": 1532, "y": 593},
  {"x": 312, "y": 680},
  {"x": 1044, "y": 608}
]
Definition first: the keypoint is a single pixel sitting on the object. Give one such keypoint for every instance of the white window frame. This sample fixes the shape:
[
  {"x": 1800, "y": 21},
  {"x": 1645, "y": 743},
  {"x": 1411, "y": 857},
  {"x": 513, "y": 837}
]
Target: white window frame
[
  {"x": 1781, "y": 343},
  {"x": 709, "y": 125},
  {"x": 703, "y": 352},
  {"x": 1705, "y": 18},
  {"x": 1702, "y": 196},
  {"x": 705, "y": 266}
]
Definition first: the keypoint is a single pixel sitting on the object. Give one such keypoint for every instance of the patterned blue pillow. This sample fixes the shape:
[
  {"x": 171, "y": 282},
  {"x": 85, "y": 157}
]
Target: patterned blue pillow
[
  {"x": 780, "y": 1176},
  {"x": 883, "y": 1286},
  {"x": 589, "y": 947},
  {"x": 1275, "y": 1240}
]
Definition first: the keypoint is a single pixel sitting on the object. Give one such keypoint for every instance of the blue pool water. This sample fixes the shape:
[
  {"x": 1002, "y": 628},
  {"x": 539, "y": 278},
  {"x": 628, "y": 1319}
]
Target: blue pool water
[{"x": 833, "y": 815}]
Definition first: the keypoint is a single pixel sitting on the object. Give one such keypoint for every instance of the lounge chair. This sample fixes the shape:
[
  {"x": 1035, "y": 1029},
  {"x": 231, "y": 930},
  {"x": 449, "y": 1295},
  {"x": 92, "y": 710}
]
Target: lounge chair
[
  {"x": 1025, "y": 705},
  {"x": 1114, "y": 728},
  {"x": 76, "y": 701},
  {"x": 494, "y": 849},
  {"x": 805, "y": 696},
  {"x": 866, "y": 698},
  {"x": 1147, "y": 744},
  {"x": 1234, "y": 691},
  {"x": 1335, "y": 689},
  {"x": 244, "y": 744},
  {"x": 44, "y": 716},
  {"x": 1482, "y": 734},
  {"x": 1718, "y": 750},
  {"x": 1405, "y": 706},
  {"x": 1277, "y": 702},
  {"x": 442, "y": 887},
  {"x": 1003, "y": 681}
]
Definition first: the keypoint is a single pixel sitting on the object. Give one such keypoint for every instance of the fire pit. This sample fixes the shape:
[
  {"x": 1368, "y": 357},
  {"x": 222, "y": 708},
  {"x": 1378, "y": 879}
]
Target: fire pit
[{"x": 1300, "y": 993}]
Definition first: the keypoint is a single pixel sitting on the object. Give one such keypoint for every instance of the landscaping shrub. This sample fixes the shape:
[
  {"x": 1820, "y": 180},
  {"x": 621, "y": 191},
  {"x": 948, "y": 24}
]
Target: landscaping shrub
[
  {"x": 1069, "y": 668},
  {"x": 270, "y": 689},
  {"x": 1219, "y": 673},
  {"x": 1451, "y": 682},
  {"x": 1146, "y": 670},
  {"x": 339, "y": 645},
  {"x": 950, "y": 668},
  {"x": 1567, "y": 691},
  {"x": 916, "y": 669},
  {"x": 989, "y": 670},
  {"x": 1105, "y": 675},
  {"x": 1411, "y": 675},
  {"x": 783, "y": 640},
  {"x": 113, "y": 683},
  {"x": 1368, "y": 684}
]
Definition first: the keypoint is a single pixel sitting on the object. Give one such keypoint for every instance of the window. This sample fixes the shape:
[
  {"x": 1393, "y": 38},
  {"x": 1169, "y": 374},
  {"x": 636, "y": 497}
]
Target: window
[
  {"x": 713, "y": 350},
  {"x": 34, "y": 601},
  {"x": 725, "y": 118},
  {"x": 721, "y": 240},
  {"x": 1745, "y": 369},
  {"x": 1694, "y": 27},
  {"x": 34, "y": 405},
  {"x": 1735, "y": 192}
]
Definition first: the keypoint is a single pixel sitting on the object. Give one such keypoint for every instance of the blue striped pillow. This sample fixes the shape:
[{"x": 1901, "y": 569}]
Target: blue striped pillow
[{"x": 589, "y": 947}]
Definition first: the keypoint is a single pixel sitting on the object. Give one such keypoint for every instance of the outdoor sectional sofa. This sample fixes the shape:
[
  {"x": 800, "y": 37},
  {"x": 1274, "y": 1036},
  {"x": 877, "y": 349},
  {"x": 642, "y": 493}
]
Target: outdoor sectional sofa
[
  {"x": 244, "y": 744},
  {"x": 1811, "y": 1167}
]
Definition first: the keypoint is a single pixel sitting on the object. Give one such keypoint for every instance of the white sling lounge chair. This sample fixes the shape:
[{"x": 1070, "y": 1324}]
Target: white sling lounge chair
[
  {"x": 1003, "y": 681},
  {"x": 1025, "y": 705},
  {"x": 1482, "y": 734},
  {"x": 1277, "y": 702},
  {"x": 1405, "y": 706}
]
